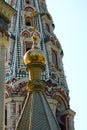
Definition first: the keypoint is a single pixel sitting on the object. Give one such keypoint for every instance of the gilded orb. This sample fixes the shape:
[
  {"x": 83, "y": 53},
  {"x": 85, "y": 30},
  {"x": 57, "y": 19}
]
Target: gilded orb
[{"x": 34, "y": 56}]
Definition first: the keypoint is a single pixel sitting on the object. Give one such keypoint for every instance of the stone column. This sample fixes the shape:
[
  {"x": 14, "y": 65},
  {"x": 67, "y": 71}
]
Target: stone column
[
  {"x": 11, "y": 115},
  {"x": 8, "y": 116},
  {"x": 14, "y": 107},
  {"x": 2, "y": 87},
  {"x": 71, "y": 123},
  {"x": 68, "y": 118},
  {"x": 53, "y": 104}
]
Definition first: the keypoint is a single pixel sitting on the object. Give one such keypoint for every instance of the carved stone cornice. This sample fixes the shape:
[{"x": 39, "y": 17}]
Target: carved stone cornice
[
  {"x": 69, "y": 112},
  {"x": 6, "y": 11},
  {"x": 4, "y": 42}
]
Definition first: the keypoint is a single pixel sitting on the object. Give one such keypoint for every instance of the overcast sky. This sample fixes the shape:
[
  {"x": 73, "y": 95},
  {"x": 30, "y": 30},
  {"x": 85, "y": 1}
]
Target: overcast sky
[{"x": 70, "y": 19}]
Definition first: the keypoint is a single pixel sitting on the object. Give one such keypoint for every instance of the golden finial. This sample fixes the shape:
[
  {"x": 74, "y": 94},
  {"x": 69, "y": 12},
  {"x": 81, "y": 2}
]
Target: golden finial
[
  {"x": 34, "y": 60},
  {"x": 35, "y": 55},
  {"x": 35, "y": 37},
  {"x": 34, "y": 28}
]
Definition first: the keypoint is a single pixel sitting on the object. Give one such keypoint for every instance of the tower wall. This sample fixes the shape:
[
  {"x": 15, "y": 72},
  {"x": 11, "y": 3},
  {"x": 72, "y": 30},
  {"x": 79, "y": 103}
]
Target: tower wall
[
  {"x": 2, "y": 85},
  {"x": 33, "y": 15}
]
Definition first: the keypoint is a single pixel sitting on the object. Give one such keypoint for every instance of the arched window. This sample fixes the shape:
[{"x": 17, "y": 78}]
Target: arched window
[
  {"x": 23, "y": 72},
  {"x": 58, "y": 44},
  {"x": 48, "y": 16},
  {"x": 58, "y": 117},
  {"x": 53, "y": 76},
  {"x": 6, "y": 55},
  {"x": 11, "y": 2},
  {"x": 28, "y": 21},
  {"x": 55, "y": 58},
  {"x": 47, "y": 28},
  {"x": 26, "y": 46},
  {"x": 20, "y": 107},
  {"x": 27, "y": 1},
  {"x": 7, "y": 75}
]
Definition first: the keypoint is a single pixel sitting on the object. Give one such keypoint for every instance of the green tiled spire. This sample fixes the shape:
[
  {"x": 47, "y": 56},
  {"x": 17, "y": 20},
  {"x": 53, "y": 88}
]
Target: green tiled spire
[{"x": 37, "y": 114}]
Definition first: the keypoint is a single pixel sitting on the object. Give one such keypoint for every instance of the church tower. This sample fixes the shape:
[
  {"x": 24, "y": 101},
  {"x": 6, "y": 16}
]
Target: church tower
[
  {"x": 31, "y": 15},
  {"x": 6, "y": 12}
]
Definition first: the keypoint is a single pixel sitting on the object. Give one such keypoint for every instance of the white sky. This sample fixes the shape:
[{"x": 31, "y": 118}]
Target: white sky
[{"x": 70, "y": 19}]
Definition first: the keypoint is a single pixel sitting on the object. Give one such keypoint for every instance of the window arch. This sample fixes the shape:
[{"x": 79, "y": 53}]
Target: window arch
[
  {"x": 29, "y": 8},
  {"x": 26, "y": 46},
  {"x": 26, "y": 34}
]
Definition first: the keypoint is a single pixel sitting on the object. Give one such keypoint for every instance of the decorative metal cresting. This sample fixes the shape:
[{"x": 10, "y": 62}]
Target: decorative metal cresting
[{"x": 34, "y": 60}]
